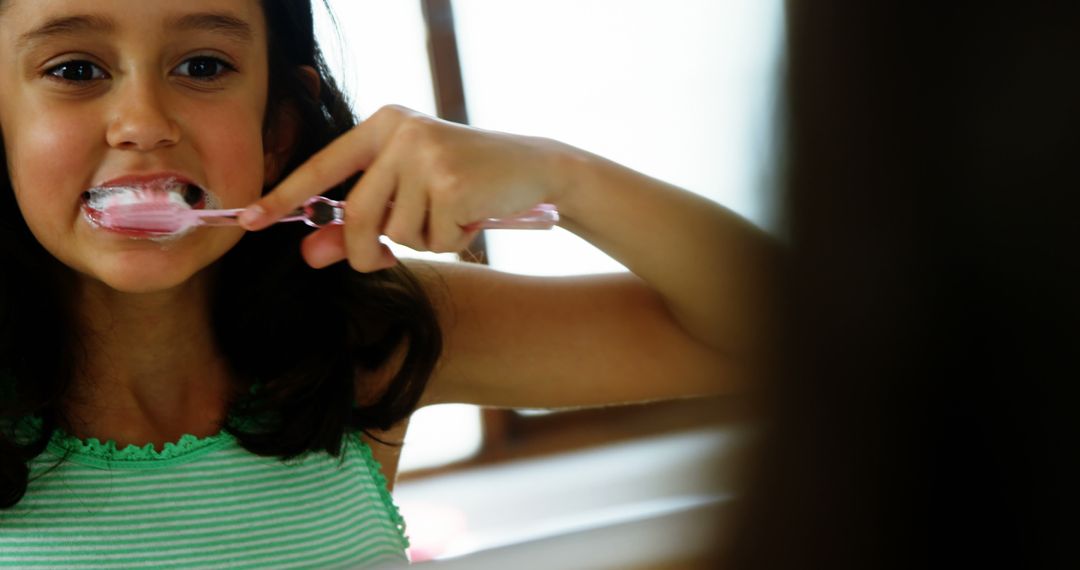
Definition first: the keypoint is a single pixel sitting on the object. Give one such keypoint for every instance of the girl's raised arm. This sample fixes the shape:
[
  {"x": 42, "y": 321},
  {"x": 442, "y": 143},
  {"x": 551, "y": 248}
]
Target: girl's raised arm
[{"x": 691, "y": 319}]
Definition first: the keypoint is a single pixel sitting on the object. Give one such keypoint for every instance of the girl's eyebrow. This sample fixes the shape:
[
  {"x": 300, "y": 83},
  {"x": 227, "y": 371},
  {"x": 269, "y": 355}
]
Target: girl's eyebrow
[
  {"x": 219, "y": 22},
  {"x": 64, "y": 26}
]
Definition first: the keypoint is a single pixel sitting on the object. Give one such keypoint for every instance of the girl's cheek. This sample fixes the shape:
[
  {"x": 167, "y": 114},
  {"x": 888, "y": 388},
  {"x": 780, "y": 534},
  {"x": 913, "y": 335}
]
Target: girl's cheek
[
  {"x": 45, "y": 127},
  {"x": 50, "y": 160},
  {"x": 53, "y": 156},
  {"x": 235, "y": 158},
  {"x": 61, "y": 141}
]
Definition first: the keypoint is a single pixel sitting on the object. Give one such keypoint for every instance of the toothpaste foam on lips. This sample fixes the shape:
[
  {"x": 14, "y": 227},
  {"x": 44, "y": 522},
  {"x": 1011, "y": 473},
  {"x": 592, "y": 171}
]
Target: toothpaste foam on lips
[{"x": 98, "y": 200}]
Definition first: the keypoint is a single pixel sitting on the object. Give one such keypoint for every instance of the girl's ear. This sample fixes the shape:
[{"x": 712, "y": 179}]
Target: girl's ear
[{"x": 283, "y": 127}]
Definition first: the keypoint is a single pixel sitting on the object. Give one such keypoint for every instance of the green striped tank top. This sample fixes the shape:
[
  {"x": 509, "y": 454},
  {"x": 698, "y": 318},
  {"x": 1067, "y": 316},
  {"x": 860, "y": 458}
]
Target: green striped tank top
[{"x": 201, "y": 503}]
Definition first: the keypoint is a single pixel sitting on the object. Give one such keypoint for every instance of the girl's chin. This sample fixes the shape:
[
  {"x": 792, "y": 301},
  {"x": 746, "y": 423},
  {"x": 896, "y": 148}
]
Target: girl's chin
[
  {"x": 136, "y": 281},
  {"x": 146, "y": 267},
  {"x": 143, "y": 272},
  {"x": 144, "y": 286}
]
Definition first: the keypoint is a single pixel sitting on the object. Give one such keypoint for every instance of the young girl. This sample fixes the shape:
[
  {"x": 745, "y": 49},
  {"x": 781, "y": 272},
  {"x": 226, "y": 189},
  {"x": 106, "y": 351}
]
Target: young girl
[{"x": 224, "y": 397}]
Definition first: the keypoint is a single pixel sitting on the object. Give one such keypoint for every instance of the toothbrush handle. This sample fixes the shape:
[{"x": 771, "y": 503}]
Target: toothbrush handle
[
  {"x": 215, "y": 217},
  {"x": 320, "y": 211},
  {"x": 542, "y": 217}
]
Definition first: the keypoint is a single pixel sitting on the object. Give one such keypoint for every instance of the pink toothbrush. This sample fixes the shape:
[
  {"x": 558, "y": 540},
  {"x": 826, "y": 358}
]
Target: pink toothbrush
[{"x": 167, "y": 217}]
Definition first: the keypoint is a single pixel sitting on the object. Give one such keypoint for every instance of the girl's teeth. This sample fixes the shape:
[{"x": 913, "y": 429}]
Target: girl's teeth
[{"x": 173, "y": 191}]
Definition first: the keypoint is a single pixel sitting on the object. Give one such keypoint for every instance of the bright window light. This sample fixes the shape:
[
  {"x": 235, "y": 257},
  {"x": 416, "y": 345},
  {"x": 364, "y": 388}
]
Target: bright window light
[
  {"x": 378, "y": 53},
  {"x": 683, "y": 91},
  {"x": 441, "y": 434}
]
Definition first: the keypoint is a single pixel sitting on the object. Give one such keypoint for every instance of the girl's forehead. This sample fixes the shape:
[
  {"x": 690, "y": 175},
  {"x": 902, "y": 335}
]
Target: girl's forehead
[{"x": 25, "y": 21}]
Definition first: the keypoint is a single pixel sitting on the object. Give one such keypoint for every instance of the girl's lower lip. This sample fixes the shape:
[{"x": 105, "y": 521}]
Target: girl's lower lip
[{"x": 135, "y": 233}]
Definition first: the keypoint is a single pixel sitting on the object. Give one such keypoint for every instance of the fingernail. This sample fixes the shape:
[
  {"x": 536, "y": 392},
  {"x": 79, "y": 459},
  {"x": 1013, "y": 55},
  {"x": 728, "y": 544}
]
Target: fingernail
[{"x": 251, "y": 216}]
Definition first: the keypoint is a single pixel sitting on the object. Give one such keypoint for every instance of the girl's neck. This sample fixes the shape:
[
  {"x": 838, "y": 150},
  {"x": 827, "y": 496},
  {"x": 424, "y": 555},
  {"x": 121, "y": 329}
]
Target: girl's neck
[{"x": 149, "y": 371}]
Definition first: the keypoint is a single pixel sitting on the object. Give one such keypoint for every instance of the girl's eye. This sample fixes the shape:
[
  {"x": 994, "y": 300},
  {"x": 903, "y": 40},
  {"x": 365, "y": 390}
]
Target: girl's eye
[
  {"x": 77, "y": 71},
  {"x": 204, "y": 68}
]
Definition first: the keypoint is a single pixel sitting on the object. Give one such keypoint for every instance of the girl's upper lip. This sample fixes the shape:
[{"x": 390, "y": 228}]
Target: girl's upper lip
[{"x": 145, "y": 179}]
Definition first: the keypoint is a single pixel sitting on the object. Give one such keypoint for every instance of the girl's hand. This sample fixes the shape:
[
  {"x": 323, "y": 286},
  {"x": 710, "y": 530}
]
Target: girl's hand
[{"x": 427, "y": 184}]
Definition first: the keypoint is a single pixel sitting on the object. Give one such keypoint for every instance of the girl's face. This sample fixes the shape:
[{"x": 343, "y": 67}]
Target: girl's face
[{"x": 131, "y": 92}]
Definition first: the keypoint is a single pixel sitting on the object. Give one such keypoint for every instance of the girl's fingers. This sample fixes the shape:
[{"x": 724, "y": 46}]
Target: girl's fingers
[
  {"x": 347, "y": 155},
  {"x": 327, "y": 246},
  {"x": 445, "y": 235},
  {"x": 350, "y": 153},
  {"x": 406, "y": 218},
  {"x": 324, "y": 247},
  {"x": 365, "y": 214},
  {"x": 439, "y": 177}
]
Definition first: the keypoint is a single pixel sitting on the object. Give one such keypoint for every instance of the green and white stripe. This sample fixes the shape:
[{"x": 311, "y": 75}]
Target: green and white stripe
[{"x": 202, "y": 503}]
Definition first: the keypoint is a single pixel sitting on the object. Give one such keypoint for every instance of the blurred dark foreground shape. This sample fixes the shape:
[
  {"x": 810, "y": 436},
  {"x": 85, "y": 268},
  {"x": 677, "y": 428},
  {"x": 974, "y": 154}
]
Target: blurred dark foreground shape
[{"x": 925, "y": 413}]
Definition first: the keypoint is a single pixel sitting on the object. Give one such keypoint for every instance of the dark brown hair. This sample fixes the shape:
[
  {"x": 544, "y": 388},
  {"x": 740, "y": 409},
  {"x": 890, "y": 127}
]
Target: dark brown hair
[{"x": 296, "y": 339}]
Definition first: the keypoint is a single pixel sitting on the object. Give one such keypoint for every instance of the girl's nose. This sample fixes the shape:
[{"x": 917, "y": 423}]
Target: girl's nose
[{"x": 141, "y": 119}]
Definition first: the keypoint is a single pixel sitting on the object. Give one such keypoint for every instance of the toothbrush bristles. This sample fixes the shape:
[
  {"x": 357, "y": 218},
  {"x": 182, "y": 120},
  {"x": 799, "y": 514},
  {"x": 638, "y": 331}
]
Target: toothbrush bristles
[{"x": 157, "y": 217}]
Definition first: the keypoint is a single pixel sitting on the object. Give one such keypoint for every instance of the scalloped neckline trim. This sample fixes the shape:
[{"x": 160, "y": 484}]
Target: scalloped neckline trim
[{"x": 95, "y": 451}]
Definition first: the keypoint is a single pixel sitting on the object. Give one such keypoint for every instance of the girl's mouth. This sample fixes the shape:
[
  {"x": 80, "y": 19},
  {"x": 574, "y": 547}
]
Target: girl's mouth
[{"x": 97, "y": 201}]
